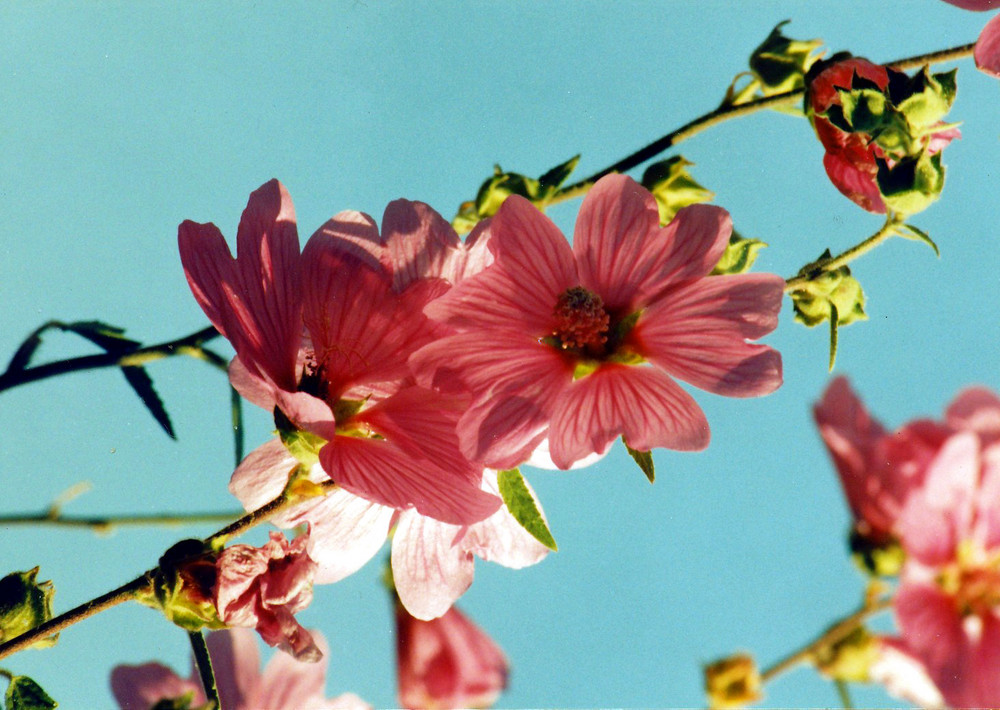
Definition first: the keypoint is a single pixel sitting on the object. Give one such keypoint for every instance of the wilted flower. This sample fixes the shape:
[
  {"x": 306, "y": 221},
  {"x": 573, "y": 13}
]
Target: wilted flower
[
  {"x": 577, "y": 344},
  {"x": 263, "y": 587},
  {"x": 285, "y": 684},
  {"x": 447, "y": 663}
]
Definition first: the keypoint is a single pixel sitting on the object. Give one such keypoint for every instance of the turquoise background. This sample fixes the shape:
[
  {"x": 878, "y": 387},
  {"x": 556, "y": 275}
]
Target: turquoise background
[{"x": 120, "y": 120}]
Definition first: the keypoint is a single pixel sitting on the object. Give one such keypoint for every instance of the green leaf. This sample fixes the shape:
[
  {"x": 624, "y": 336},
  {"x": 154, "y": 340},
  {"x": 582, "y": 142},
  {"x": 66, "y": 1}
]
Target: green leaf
[
  {"x": 108, "y": 337},
  {"x": 236, "y": 413},
  {"x": 25, "y": 694},
  {"x": 908, "y": 231},
  {"x": 521, "y": 504},
  {"x": 834, "y": 317},
  {"x": 739, "y": 256},
  {"x": 142, "y": 384},
  {"x": 644, "y": 459},
  {"x": 553, "y": 179}
]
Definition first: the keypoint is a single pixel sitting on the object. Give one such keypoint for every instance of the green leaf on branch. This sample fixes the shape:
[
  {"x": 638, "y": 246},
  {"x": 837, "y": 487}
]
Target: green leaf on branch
[
  {"x": 522, "y": 506},
  {"x": 502, "y": 185},
  {"x": 644, "y": 459},
  {"x": 108, "y": 337},
  {"x": 25, "y": 694},
  {"x": 142, "y": 384},
  {"x": 739, "y": 256},
  {"x": 908, "y": 231},
  {"x": 673, "y": 187}
]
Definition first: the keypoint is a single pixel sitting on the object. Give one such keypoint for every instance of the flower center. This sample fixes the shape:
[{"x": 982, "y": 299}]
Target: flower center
[
  {"x": 580, "y": 319},
  {"x": 973, "y": 580}
]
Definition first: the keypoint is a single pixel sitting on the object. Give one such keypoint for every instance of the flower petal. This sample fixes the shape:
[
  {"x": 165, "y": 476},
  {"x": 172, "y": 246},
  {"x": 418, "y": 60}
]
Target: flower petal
[
  {"x": 855, "y": 180},
  {"x": 288, "y": 684},
  {"x": 429, "y": 568},
  {"x": 236, "y": 664},
  {"x": 698, "y": 333},
  {"x": 932, "y": 628},
  {"x": 420, "y": 242},
  {"x": 262, "y": 475},
  {"x": 356, "y": 234},
  {"x": 500, "y": 538},
  {"x": 977, "y": 409},
  {"x": 987, "y": 51},
  {"x": 144, "y": 685},
  {"x": 641, "y": 403}
]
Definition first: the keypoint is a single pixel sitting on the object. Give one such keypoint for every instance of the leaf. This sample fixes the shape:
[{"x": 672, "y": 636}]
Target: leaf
[
  {"x": 143, "y": 386},
  {"x": 25, "y": 694},
  {"x": 521, "y": 505},
  {"x": 644, "y": 459},
  {"x": 908, "y": 231},
  {"x": 22, "y": 357},
  {"x": 553, "y": 179},
  {"x": 834, "y": 317},
  {"x": 236, "y": 412},
  {"x": 105, "y": 336}
]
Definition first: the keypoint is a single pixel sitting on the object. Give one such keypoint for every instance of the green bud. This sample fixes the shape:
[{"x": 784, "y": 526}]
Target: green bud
[
  {"x": 739, "y": 256},
  {"x": 183, "y": 586},
  {"x": 780, "y": 63},
  {"x": 850, "y": 658},
  {"x": 24, "y": 604},
  {"x": 912, "y": 184},
  {"x": 673, "y": 187},
  {"x": 836, "y": 288},
  {"x": 864, "y": 110},
  {"x": 876, "y": 558},
  {"x": 925, "y": 98},
  {"x": 733, "y": 682}
]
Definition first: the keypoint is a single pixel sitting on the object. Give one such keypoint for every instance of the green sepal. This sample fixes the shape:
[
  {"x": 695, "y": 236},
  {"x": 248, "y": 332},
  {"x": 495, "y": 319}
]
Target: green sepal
[
  {"x": 183, "y": 585},
  {"x": 912, "y": 184},
  {"x": 908, "y": 231},
  {"x": 876, "y": 558},
  {"x": 496, "y": 189},
  {"x": 925, "y": 98},
  {"x": 24, "y": 604},
  {"x": 643, "y": 459},
  {"x": 181, "y": 703},
  {"x": 739, "y": 256},
  {"x": 673, "y": 187},
  {"x": 850, "y": 658},
  {"x": 836, "y": 288},
  {"x": 781, "y": 63},
  {"x": 301, "y": 444},
  {"x": 142, "y": 385},
  {"x": 864, "y": 110},
  {"x": 522, "y": 506},
  {"x": 25, "y": 694}
]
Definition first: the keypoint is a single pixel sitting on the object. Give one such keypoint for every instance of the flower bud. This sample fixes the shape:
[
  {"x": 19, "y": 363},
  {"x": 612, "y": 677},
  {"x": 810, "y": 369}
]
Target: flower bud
[
  {"x": 733, "y": 682},
  {"x": 850, "y": 658},
  {"x": 673, "y": 187},
  {"x": 780, "y": 63},
  {"x": 183, "y": 586},
  {"x": 24, "y": 604},
  {"x": 815, "y": 301}
]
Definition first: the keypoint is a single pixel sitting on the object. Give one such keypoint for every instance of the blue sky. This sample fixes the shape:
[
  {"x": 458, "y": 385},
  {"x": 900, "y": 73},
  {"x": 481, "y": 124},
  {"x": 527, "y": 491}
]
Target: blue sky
[{"x": 122, "y": 120}]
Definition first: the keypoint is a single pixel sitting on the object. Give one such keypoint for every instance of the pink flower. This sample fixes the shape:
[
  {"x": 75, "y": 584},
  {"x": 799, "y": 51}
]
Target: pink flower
[
  {"x": 324, "y": 337},
  {"x": 987, "y": 51},
  {"x": 447, "y": 663},
  {"x": 948, "y": 602},
  {"x": 286, "y": 684},
  {"x": 577, "y": 343},
  {"x": 432, "y": 562},
  {"x": 904, "y": 676},
  {"x": 976, "y": 5},
  {"x": 878, "y": 469},
  {"x": 262, "y": 587}
]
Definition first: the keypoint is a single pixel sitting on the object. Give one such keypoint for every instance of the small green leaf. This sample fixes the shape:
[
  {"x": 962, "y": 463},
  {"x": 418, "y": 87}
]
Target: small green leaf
[
  {"x": 236, "y": 413},
  {"x": 834, "y": 317},
  {"x": 553, "y": 179},
  {"x": 908, "y": 231},
  {"x": 523, "y": 507},
  {"x": 644, "y": 459},
  {"x": 142, "y": 384},
  {"x": 25, "y": 694}
]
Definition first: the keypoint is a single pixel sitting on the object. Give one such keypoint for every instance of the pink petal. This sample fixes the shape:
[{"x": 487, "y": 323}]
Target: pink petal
[
  {"x": 355, "y": 234},
  {"x": 698, "y": 333},
  {"x": 987, "y": 51},
  {"x": 475, "y": 255},
  {"x": 288, "y": 684},
  {"x": 932, "y": 628},
  {"x": 640, "y": 402},
  {"x": 143, "y": 686},
  {"x": 626, "y": 257},
  {"x": 236, "y": 663},
  {"x": 251, "y": 386},
  {"x": 262, "y": 475},
  {"x": 429, "y": 568},
  {"x": 502, "y": 430},
  {"x": 987, "y": 525},
  {"x": 903, "y": 675},
  {"x": 255, "y": 300},
  {"x": 421, "y": 243},
  {"x": 307, "y": 412},
  {"x": 977, "y": 409},
  {"x": 854, "y": 183},
  {"x": 501, "y": 539},
  {"x": 381, "y": 472},
  {"x": 976, "y": 5}
]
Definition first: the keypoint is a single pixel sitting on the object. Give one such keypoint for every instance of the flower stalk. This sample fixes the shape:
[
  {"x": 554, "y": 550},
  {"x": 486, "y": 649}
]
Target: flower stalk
[{"x": 203, "y": 662}]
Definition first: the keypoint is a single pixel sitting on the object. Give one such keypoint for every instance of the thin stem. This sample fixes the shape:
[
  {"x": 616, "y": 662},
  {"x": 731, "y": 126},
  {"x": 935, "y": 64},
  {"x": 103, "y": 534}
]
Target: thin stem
[
  {"x": 6, "y": 674},
  {"x": 129, "y": 590},
  {"x": 724, "y": 113},
  {"x": 204, "y": 664},
  {"x": 813, "y": 270},
  {"x": 835, "y": 633},
  {"x": 105, "y": 524},
  {"x": 190, "y": 345},
  {"x": 844, "y": 693}
]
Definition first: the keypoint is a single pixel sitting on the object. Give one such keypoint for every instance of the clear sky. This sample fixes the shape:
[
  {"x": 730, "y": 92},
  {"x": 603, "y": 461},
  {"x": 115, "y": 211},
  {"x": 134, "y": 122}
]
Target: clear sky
[{"x": 120, "y": 120}]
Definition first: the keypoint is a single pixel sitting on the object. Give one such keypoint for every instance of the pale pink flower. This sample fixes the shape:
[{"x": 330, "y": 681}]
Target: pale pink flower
[
  {"x": 578, "y": 343},
  {"x": 432, "y": 562},
  {"x": 987, "y": 51},
  {"x": 948, "y": 602},
  {"x": 903, "y": 676},
  {"x": 263, "y": 587},
  {"x": 324, "y": 337},
  {"x": 447, "y": 663},
  {"x": 285, "y": 684}
]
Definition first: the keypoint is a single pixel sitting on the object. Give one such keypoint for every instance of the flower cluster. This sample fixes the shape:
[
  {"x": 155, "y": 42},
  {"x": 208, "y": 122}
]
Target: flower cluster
[{"x": 933, "y": 488}]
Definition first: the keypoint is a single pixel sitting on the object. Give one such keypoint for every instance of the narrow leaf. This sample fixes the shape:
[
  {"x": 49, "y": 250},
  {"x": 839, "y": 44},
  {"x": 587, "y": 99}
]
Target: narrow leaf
[
  {"x": 25, "y": 694},
  {"x": 908, "y": 231},
  {"x": 23, "y": 355},
  {"x": 644, "y": 459},
  {"x": 554, "y": 178},
  {"x": 108, "y": 337},
  {"x": 236, "y": 410},
  {"x": 521, "y": 505},
  {"x": 141, "y": 382},
  {"x": 834, "y": 317}
]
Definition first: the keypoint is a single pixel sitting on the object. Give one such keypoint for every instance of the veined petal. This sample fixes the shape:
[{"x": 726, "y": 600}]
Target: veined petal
[
  {"x": 475, "y": 255},
  {"x": 262, "y": 475},
  {"x": 381, "y": 472},
  {"x": 250, "y": 385},
  {"x": 641, "y": 403},
  {"x": 503, "y": 429},
  {"x": 500, "y": 538},
  {"x": 429, "y": 568},
  {"x": 288, "y": 684},
  {"x": 698, "y": 333},
  {"x": 355, "y": 233},
  {"x": 420, "y": 243},
  {"x": 987, "y": 51},
  {"x": 855, "y": 182}
]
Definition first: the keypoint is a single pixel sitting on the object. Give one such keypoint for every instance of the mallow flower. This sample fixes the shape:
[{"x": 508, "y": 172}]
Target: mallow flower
[
  {"x": 285, "y": 684},
  {"x": 322, "y": 339},
  {"x": 987, "y": 51},
  {"x": 578, "y": 344}
]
